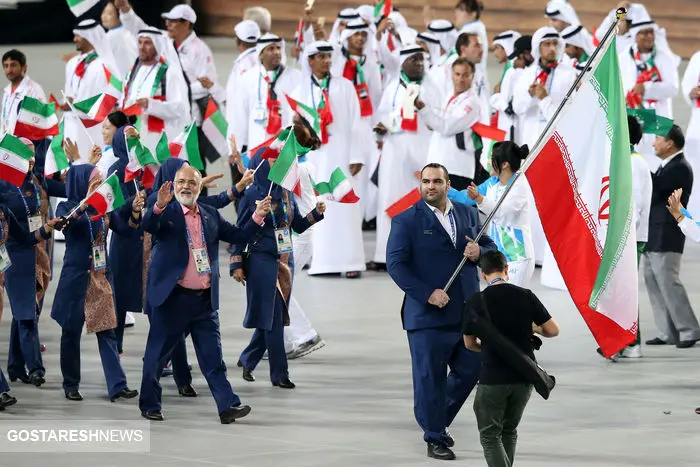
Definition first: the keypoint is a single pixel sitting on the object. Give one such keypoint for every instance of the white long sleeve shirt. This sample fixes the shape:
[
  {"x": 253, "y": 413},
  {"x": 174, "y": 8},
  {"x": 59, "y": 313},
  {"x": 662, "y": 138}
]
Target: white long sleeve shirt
[{"x": 11, "y": 101}]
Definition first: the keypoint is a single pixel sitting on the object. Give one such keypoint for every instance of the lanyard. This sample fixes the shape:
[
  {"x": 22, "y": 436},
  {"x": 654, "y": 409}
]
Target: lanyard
[
  {"x": 38, "y": 199},
  {"x": 271, "y": 84},
  {"x": 2, "y": 230},
  {"x": 189, "y": 237},
  {"x": 92, "y": 234},
  {"x": 496, "y": 280},
  {"x": 320, "y": 86},
  {"x": 138, "y": 91},
  {"x": 453, "y": 230},
  {"x": 284, "y": 211}
]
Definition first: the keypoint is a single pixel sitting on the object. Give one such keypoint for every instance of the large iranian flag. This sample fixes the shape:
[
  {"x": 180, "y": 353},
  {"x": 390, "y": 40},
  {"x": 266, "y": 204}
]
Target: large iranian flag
[
  {"x": 581, "y": 178},
  {"x": 107, "y": 197}
]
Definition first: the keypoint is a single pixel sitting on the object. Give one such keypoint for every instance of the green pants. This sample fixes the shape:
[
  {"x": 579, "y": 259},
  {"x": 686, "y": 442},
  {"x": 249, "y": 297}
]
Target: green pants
[
  {"x": 498, "y": 410},
  {"x": 641, "y": 246}
]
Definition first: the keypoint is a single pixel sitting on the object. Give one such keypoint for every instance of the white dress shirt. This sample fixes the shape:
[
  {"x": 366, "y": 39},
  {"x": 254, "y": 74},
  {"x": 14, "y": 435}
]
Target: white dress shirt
[{"x": 447, "y": 220}]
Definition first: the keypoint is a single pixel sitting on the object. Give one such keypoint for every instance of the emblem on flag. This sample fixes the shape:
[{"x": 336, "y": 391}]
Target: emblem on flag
[{"x": 604, "y": 210}]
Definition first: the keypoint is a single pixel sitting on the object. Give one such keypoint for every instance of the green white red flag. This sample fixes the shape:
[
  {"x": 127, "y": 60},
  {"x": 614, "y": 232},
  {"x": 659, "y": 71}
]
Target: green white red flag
[
  {"x": 215, "y": 129},
  {"x": 338, "y": 188},
  {"x": 80, "y": 7},
  {"x": 36, "y": 120},
  {"x": 285, "y": 170},
  {"x": 581, "y": 179},
  {"x": 383, "y": 8},
  {"x": 56, "y": 159},
  {"x": 141, "y": 163},
  {"x": 307, "y": 113},
  {"x": 14, "y": 159},
  {"x": 163, "y": 149},
  {"x": 186, "y": 147},
  {"x": 107, "y": 197},
  {"x": 94, "y": 110},
  {"x": 408, "y": 200},
  {"x": 114, "y": 86}
]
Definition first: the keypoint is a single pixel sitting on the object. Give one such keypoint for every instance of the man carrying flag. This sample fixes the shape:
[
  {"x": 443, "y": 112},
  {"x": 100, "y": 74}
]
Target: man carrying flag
[{"x": 14, "y": 63}]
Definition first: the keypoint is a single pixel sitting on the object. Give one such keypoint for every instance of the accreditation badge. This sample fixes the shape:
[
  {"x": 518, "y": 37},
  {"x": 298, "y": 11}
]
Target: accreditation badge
[
  {"x": 35, "y": 223},
  {"x": 201, "y": 260},
  {"x": 99, "y": 257},
  {"x": 259, "y": 114},
  {"x": 283, "y": 238},
  {"x": 5, "y": 261}
]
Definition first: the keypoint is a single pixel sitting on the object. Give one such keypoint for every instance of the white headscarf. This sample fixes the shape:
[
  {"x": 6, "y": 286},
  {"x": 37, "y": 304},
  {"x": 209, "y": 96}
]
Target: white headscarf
[
  {"x": 357, "y": 25},
  {"x": 347, "y": 15},
  {"x": 93, "y": 32},
  {"x": 563, "y": 11},
  {"x": 165, "y": 49},
  {"x": 409, "y": 51},
  {"x": 267, "y": 39},
  {"x": 580, "y": 37},
  {"x": 433, "y": 46},
  {"x": 445, "y": 32},
  {"x": 507, "y": 39},
  {"x": 309, "y": 51},
  {"x": 544, "y": 34}
]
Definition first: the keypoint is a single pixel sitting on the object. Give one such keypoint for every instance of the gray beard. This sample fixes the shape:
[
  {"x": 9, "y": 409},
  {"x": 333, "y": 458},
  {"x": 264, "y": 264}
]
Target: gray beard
[{"x": 186, "y": 202}]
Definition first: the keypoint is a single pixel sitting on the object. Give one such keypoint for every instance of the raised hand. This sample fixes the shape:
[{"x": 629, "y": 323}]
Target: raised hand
[
  {"x": 165, "y": 195},
  {"x": 246, "y": 181},
  {"x": 262, "y": 208},
  {"x": 71, "y": 150},
  {"x": 208, "y": 181},
  {"x": 473, "y": 193},
  {"x": 320, "y": 207},
  {"x": 95, "y": 155}
]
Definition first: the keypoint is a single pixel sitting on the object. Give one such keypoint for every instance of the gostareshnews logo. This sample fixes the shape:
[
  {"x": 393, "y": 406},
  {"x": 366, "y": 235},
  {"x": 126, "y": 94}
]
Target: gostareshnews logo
[{"x": 75, "y": 436}]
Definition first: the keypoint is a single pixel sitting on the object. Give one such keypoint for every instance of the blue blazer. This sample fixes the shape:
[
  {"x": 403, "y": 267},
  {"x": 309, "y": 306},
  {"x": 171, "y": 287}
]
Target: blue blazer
[
  {"x": 421, "y": 258},
  {"x": 171, "y": 252}
]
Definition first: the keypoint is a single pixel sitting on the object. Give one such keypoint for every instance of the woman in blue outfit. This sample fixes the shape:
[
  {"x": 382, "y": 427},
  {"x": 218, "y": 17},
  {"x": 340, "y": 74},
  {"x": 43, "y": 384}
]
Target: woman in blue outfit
[
  {"x": 27, "y": 279},
  {"x": 84, "y": 294},
  {"x": 166, "y": 173},
  {"x": 10, "y": 228},
  {"x": 268, "y": 274}
]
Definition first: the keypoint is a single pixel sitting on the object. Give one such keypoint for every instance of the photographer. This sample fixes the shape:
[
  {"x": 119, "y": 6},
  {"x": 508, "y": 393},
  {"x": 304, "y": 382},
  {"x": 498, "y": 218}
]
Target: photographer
[{"x": 503, "y": 391}]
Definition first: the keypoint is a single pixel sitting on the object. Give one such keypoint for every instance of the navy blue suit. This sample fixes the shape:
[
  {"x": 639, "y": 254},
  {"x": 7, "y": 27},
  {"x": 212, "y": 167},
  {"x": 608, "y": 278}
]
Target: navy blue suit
[
  {"x": 177, "y": 311},
  {"x": 421, "y": 258}
]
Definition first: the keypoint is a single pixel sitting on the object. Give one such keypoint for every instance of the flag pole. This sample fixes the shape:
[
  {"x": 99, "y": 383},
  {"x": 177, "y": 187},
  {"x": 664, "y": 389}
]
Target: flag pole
[
  {"x": 270, "y": 190},
  {"x": 261, "y": 163},
  {"x": 70, "y": 104},
  {"x": 90, "y": 194},
  {"x": 620, "y": 15}
]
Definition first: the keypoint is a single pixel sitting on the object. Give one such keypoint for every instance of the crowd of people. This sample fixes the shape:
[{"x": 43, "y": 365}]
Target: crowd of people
[{"x": 399, "y": 115}]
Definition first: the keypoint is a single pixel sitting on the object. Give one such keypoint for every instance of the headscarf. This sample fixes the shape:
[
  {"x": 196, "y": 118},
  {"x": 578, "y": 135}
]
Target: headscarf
[
  {"x": 446, "y": 33},
  {"x": 579, "y": 37},
  {"x": 347, "y": 14},
  {"x": 562, "y": 11},
  {"x": 268, "y": 39},
  {"x": 433, "y": 46},
  {"x": 167, "y": 171},
  {"x": 541, "y": 35},
  {"x": 309, "y": 51},
  {"x": 93, "y": 32},
  {"x": 357, "y": 25},
  {"x": 507, "y": 39},
  {"x": 640, "y": 20},
  {"x": 78, "y": 182}
]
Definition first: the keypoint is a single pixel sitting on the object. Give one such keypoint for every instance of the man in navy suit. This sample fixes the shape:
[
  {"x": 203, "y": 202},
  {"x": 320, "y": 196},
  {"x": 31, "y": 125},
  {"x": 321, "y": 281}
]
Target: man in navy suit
[
  {"x": 183, "y": 288},
  {"x": 426, "y": 244}
]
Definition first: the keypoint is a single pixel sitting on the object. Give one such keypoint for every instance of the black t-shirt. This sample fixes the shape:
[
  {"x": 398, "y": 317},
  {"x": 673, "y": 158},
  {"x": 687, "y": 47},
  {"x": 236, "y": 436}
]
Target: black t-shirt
[{"x": 512, "y": 309}]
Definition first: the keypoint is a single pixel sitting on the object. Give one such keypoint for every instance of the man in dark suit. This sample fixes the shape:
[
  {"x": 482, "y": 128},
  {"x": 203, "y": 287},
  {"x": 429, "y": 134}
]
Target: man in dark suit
[
  {"x": 183, "y": 288},
  {"x": 426, "y": 244},
  {"x": 673, "y": 313}
]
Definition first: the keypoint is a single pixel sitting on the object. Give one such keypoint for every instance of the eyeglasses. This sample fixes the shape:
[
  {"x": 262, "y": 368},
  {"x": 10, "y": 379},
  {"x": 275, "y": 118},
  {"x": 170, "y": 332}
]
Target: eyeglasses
[{"x": 188, "y": 183}]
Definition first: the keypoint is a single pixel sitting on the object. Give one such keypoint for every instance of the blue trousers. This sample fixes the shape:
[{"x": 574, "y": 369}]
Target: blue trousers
[
  {"x": 181, "y": 368},
  {"x": 273, "y": 341},
  {"x": 182, "y": 313},
  {"x": 24, "y": 354},
  {"x": 4, "y": 387},
  {"x": 119, "y": 330},
  {"x": 437, "y": 398},
  {"x": 70, "y": 360}
]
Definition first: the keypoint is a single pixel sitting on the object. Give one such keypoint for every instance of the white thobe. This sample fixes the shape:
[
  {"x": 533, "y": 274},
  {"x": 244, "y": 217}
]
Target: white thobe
[
  {"x": 403, "y": 154},
  {"x": 662, "y": 92},
  {"x": 125, "y": 49},
  {"x": 11, "y": 101},
  {"x": 502, "y": 100},
  {"x": 245, "y": 61},
  {"x": 691, "y": 80},
  {"x": 249, "y": 115},
  {"x": 642, "y": 188},
  {"x": 337, "y": 241}
]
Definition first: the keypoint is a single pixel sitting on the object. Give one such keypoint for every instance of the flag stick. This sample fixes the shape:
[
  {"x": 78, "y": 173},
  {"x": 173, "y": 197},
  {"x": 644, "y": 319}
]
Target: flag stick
[
  {"x": 136, "y": 185},
  {"x": 621, "y": 13},
  {"x": 261, "y": 163},
  {"x": 270, "y": 190},
  {"x": 70, "y": 104},
  {"x": 90, "y": 194}
]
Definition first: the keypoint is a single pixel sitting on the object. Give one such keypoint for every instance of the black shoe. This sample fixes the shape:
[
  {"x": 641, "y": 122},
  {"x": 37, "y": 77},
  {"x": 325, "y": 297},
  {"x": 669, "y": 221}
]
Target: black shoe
[
  {"x": 656, "y": 341},
  {"x": 285, "y": 384},
  {"x": 447, "y": 437},
  {"x": 239, "y": 364},
  {"x": 686, "y": 344},
  {"x": 7, "y": 400},
  {"x": 24, "y": 378},
  {"x": 36, "y": 379},
  {"x": 125, "y": 393},
  {"x": 372, "y": 266},
  {"x": 438, "y": 451},
  {"x": 248, "y": 375},
  {"x": 74, "y": 396},
  {"x": 230, "y": 415},
  {"x": 187, "y": 391},
  {"x": 697, "y": 410},
  {"x": 153, "y": 416}
]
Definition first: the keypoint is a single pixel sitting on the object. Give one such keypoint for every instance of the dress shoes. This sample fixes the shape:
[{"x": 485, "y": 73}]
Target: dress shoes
[
  {"x": 230, "y": 415},
  {"x": 7, "y": 400},
  {"x": 248, "y": 375},
  {"x": 656, "y": 341},
  {"x": 438, "y": 451},
  {"x": 153, "y": 416},
  {"x": 239, "y": 364},
  {"x": 36, "y": 379},
  {"x": 74, "y": 396},
  {"x": 449, "y": 440},
  {"x": 285, "y": 384},
  {"x": 125, "y": 393},
  {"x": 187, "y": 391},
  {"x": 24, "y": 378},
  {"x": 686, "y": 344}
]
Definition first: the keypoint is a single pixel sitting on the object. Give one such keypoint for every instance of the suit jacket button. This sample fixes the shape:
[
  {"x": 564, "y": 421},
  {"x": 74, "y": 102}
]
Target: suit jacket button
[{"x": 90, "y": 257}]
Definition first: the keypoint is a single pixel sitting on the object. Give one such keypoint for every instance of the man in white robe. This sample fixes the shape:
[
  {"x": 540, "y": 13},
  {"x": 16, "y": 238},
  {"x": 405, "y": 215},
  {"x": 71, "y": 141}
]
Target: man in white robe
[
  {"x": 14, "y": 64},
  {"x": 649, "y": 78},
  {"x": 578, "y": 46},
  {"x": 503, "y": 47},
  {"x": 260, "y": 108},
  {"x": 247, "y": 35},
  {"x": 690, "y": 87},
  {"x": 122, "y": 41},
  {"x": 404, "y": 144},
  {"x": 447, "y": 34},
  {"x": 337, "y": 241},
  {"x": 156, "y": 85},
  {"x": 537, "y": 94}
]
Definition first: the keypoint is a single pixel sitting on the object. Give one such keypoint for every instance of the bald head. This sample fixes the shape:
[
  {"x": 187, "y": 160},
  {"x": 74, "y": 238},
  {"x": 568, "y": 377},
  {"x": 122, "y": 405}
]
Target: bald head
[{"x": 188, "y": 184}]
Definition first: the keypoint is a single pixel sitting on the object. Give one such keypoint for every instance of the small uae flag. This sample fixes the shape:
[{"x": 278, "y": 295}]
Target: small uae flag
[
  {"x": 107, "y": 197},
  {"x": 162, "y": 149},
  {"x": 54, "y": 101},
  {"x": 307, "y": 113},
  {"x": 285, "y": 170},
  {"x": 80, "y": 7},
  {"x": 94, "y": 110},
  {"x": 186, "y": 147},
  {"x": 114, "y": 85},
  {"x": 215, "y": 129},
  {"x": 489, "y": 132},
  {"x": 383, "y": 8},
  {"x": 14, "y": 159},
  {"x": 141, "y": 162},
  {"x": 36, "y": 120},
  {"x": 271, "y": 147},
  {"x": 56, "y": 159},
  {"x": 299, "y": 34},
  {"x": 338, "y": 188}
]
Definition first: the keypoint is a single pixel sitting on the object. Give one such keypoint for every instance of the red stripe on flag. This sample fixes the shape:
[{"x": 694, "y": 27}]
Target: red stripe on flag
[
  {"x": 211, "y": 109},
  {"x": 175, "y": 149},
  {"x": 12, "y": 175},
  {"x": 98, "y": 202},
  {"x": 571, "y": 241},
  {"x": 489, "y": 132},
  {"x": 350, "y": 198},
  {"x": 34, "y": 133},
  {"x": 133, "y": 109},
  {"x": 404, "y": 203}
]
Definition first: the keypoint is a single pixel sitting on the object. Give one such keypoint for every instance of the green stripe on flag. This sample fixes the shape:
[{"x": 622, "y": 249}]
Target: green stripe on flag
[
  {"x": 162, "y": 149},
  {"x": 285, "y": 161},
  {"x": 337, "y": 177},
  {"x": 12, "y": 144},
  {"x": 37, "y": 107},
  {"x": 86, "y": 105},
  {"x": 608, "y": 83},
  {"x": 378, "y": 8},
  {"x": 219, "y": 122},
  {"x": 113, "y": 182}
]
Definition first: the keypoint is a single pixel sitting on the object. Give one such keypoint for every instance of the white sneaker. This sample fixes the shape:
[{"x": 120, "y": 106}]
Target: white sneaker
[
  {"x": 633, "y": 351},
  {"x": 130, "y": 320}
]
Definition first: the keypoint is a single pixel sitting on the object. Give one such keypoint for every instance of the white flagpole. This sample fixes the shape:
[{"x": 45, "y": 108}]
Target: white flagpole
[
  {"x": 88, "y": 195},
  {"x": 621, "y": 13},
  {"x": 70, "y": 104},
  {"x": 261, "y": 163}
]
